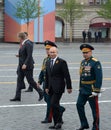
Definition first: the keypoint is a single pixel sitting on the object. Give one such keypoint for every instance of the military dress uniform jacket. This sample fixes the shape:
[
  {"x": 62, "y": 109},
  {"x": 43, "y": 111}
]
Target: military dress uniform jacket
[
  {"x": 25, "y": 55},
  {"x": 42, "y": 74},
  {"x": 58, "y": 77},
  {"x": 90, "y": 76}
]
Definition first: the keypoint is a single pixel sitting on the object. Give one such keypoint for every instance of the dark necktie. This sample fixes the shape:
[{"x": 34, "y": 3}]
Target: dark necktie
[{"x": 51, "y": 64}]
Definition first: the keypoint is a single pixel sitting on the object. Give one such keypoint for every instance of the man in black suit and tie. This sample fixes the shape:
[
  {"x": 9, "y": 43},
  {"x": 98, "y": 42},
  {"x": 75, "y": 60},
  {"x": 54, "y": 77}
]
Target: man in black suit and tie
[
  {"x": 30, "y": 88},
  {"x": 57, "y": 77},
  {"x": 25, "y": 67}
]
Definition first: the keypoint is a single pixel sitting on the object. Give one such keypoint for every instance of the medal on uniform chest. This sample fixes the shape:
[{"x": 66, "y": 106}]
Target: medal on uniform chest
[
  {"x": 85, "y": 63},
  {"x": 85, "y": 74}
]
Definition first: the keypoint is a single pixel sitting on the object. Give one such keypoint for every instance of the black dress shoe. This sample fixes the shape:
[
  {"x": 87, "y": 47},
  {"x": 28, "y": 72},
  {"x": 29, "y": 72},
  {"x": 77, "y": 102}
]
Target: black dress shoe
[
  {"x": 40, "y": 97},
  {"x": 58, "y": 126},
  {"x": 15, "y": 99},
  {"x": 82, "y": 128},
  {"x": 51, "y": 127},
  {"x": 29, "y": 90}
]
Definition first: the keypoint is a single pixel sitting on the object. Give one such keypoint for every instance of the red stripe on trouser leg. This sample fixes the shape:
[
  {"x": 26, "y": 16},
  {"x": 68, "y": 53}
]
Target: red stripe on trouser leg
[
  {"x": 97, "y": 112},
  {"x": 50, "y": 115}
]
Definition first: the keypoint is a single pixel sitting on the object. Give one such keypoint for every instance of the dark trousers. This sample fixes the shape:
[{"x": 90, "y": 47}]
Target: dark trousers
[
  {"x": 20, "y": 81},
  {"x": 49, "y": 112},
  {"x": 89, "y": 39},
  {"x": 23, "y": 86},
  {"x": 96, "y": 39},
  {"x": 84, "y": 39},
  {"x": 55, "y": 105},
  {"x": 93, "y": 102}
]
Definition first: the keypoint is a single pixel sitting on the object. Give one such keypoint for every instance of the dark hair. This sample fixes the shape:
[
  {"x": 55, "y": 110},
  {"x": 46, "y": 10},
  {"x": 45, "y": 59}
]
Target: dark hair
[
  {"x": 22, "y": 35},
  {"x": 26, "y": 33}
]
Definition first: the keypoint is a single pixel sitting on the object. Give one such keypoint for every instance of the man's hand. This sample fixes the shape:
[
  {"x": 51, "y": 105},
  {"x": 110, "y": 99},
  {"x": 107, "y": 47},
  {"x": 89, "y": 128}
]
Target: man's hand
[
  {"x": 47, "y": 91},
  {"x": 38, "y": 85},
  {"x": 24, "y": 66},
  {"x": 69, "y": 91},
  {"x": 93, "y": 94},
  {"x": 17, "y": 55}
]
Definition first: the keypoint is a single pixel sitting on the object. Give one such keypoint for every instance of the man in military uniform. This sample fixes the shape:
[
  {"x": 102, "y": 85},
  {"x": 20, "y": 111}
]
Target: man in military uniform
[
  {"x": 90, "y": 86},
  {"x": 41, "y": 80}
]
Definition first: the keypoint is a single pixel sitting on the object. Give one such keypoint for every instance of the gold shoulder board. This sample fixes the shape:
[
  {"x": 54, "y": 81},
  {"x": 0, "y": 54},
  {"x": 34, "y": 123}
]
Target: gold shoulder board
[{"x": 94, "y": 59}]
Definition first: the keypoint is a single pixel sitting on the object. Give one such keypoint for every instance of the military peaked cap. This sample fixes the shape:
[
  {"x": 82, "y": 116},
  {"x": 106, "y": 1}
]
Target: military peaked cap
[
  {"x": 86, "y": 48},
  {"x": 49, "y": 44}
]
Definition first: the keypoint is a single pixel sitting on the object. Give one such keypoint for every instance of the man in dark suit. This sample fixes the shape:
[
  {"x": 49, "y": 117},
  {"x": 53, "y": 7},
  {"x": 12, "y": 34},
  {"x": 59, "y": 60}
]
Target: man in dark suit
[
  {"x": 25, "y": 67},
  {"x": 89, "y": 36},
  {"x": 84, "y": 36},
  {"x": 57, "y": 76},
  {"x": 96, "y": 36},
  {"x": 30, "y": 88},
  {"x": 100, "y": 36},
  {"x": 23, "y": 86},
  {"x": 41, "y": 80}
]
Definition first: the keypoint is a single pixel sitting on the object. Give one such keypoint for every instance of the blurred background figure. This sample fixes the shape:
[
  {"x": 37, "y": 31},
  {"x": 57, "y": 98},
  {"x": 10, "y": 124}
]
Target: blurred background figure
[
  {"x": 89, "y": 36},
  {"x": 84, "y": 36}
]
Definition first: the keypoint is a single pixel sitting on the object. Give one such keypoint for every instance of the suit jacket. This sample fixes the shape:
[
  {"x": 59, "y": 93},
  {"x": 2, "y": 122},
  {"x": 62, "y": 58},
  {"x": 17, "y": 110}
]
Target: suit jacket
[
  {"x": 58, "y": 77},
  {"x": 25, "y": 55}
]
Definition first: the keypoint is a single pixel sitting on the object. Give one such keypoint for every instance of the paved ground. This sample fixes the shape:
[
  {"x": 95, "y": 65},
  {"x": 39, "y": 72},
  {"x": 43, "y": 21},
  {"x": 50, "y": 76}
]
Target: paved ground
[{"x": 27, "y": 114}]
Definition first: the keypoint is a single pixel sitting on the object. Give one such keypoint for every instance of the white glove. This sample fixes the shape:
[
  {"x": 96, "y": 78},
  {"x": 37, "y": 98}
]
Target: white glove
[{"x": 94, "y": 94}]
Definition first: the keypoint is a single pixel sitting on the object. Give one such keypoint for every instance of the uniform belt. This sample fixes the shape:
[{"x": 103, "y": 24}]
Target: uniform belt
[{"x": 88, "y": 82}]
